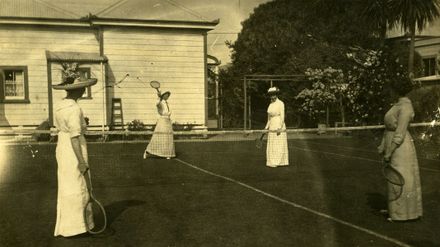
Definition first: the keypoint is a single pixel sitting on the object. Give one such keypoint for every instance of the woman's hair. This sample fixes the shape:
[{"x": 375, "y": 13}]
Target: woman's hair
[
  {"x": 77, "y": 92},
  {"x": 402, "y": 87}
]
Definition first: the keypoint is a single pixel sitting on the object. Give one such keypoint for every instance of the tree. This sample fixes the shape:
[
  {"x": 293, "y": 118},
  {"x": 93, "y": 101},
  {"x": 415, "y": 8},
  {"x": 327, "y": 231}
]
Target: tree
[
  {"x": 378, "y": 16},
  {"x": 288, "y": 37},
  {"x": 329, "y": 87},
  {"x": 412, "y": 15}
]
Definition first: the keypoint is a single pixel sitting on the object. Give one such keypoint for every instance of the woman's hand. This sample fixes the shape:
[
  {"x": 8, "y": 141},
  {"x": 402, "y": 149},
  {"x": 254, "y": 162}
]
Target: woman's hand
[
  {"x": 83, "y": 167},
  {"x": 380, "y": 149},
  {"x": 387, "y": 158}
]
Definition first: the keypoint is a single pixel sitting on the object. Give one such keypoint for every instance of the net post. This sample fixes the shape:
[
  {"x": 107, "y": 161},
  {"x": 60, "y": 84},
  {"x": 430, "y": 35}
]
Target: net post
[
  {"x": 245, "y": 103},
  {"x": 103, "y": 100},
  {"x": 20, "y": 129},
  {"x": 53, "y": 134}
]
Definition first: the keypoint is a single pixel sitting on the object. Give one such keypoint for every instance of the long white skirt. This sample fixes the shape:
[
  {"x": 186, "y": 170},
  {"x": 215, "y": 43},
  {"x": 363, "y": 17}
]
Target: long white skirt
[
  {"x": 72, "y": 190},
  {"x": 162, "y": 141},
  {"x": 277, "y": 151}
]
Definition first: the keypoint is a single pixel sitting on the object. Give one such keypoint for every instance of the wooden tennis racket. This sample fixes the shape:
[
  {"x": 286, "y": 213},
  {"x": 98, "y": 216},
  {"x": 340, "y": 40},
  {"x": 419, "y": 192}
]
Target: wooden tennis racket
[
  {"x": 96, "y": 208},
  {"x": 156, "y": 85},
  {"x": 259, "y": 141},
  {"x": 395, "y": 178}
]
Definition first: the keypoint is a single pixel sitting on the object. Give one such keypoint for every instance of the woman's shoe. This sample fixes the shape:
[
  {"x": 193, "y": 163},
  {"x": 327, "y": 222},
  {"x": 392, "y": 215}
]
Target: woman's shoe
[
  {"x": 383, "y": 211},
  {"x": 145, "y": 155}
]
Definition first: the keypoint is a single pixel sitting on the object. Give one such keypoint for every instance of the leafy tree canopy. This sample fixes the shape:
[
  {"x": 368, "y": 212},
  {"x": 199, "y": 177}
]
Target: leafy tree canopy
[
  {"x": 294, "y": 36},
  {"x": 289, "y": 36}
]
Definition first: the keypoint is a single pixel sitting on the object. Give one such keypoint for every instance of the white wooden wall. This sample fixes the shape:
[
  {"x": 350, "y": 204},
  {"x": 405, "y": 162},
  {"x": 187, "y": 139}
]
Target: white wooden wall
[
  {"x": 174, "y": 58},
  {"x": 428, "y": 47},
  {"x": 26, "y": 46}
]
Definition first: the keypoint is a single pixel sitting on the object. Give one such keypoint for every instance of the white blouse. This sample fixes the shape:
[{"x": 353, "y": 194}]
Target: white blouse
[
  {"x": 163, "y": 108},
  {"x": 275, "y": 113},
  {"x": 69, "y": 118}
]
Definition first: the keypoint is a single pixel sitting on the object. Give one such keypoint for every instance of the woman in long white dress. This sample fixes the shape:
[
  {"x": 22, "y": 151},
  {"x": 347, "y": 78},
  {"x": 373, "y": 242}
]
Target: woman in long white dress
[
  {"x": 277, "y": 152},
  {"x": 398, "y": 149},
  {"x": 162, "y": 141},
  {"x": 71, "y": 155}
]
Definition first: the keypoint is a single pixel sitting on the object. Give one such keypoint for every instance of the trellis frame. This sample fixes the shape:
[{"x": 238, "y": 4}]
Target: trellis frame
[{"x": 267, "y": 78}]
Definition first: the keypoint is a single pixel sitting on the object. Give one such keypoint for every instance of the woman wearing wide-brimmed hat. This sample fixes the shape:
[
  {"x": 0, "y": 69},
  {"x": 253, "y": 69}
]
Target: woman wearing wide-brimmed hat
[
  {"x": 162, "y": 141},
  {"x": 71, "y": 155},
  {"x": 277, "y": 152}
]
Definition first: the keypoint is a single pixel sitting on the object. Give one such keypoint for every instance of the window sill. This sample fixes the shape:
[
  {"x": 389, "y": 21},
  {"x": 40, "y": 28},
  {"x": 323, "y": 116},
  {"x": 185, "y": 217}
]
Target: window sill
[{"x": 15, "y": 101}]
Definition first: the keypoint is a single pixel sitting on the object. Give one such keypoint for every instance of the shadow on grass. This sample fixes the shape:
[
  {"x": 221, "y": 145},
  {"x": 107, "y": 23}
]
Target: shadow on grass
[
  {"x": 112, "y": 212},
  {"x": 115, "y": 209},
  {"x": 376, "y": 202}
]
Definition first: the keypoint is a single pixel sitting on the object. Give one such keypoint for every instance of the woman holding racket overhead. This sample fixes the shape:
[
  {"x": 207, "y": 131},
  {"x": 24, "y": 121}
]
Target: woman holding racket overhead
[
  {"x": 162, "y": 141},
  {"x": 397, "y": 147},
  {"x": 277, "y": 152},
  {"x": 71, "y": 155}
]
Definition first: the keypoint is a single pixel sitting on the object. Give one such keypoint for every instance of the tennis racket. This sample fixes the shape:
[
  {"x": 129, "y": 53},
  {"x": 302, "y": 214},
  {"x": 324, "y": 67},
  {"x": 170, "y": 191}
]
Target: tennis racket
[
  {"x": 94, "y": 211},
  {"x": 396, "y": 180},
  {"x": 156, "y": 85},
  {"x": 259, "y": 141}
]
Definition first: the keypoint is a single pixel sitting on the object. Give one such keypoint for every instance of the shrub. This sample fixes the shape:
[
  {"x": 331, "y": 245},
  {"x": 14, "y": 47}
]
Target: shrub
[{"x": 136, "y": 125}]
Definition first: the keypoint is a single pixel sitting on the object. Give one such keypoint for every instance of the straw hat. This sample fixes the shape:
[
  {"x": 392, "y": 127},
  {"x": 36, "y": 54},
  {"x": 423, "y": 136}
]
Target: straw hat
[
  {"x": 273, "y": 91},
  {"x": 77, "y": 83}
]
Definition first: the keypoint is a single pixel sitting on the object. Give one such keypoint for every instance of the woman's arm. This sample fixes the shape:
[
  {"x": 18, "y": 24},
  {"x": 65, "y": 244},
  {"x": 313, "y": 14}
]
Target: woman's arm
[
  {"x": 403, "y": 119},
  {"x": 381, "y": 147},
  {"x": 282, "y": 114},
  {"x": 74, "y": 126},
  {"x": 82, "y": 164},
  {"x": 267, "y": 123}
]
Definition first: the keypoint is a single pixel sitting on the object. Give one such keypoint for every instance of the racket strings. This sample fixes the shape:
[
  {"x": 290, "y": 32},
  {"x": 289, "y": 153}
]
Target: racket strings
[
  {"x": 155, "y": 84},
  {"x": 94, "y": 213},
  {"x": 395, "y": 180},
  {"x": 260, "y": 140}
]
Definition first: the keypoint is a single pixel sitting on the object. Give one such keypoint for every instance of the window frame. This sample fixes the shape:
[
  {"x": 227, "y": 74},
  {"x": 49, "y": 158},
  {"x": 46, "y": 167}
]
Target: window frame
[
  {"x": 88, "y": 93},
  {"x": 3, "y": 99},
  {"x": 434, "y": 65}
]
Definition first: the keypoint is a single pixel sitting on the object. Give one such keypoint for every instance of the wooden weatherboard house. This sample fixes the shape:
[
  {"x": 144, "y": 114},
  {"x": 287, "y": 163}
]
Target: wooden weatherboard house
[{"x": 124, "y": 44}]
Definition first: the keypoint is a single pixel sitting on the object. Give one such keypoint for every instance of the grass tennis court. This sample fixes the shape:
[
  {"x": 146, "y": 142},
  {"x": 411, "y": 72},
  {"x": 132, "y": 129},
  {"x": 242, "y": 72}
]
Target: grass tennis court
[{"x": 220, "y": 193}]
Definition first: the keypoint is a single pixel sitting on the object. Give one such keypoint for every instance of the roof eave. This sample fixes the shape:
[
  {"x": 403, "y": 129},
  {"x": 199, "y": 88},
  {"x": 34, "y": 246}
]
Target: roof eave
[
  {"x": 97, "y": 21},
  {"x": 43, "y": 21},
  {"x": 205, "y": 25}
]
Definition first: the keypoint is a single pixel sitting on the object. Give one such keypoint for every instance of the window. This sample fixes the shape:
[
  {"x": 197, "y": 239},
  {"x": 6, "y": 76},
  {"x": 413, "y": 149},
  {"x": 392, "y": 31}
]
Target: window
[
  {"x": 429, "y": 65},
  {"x": 84, "y": 73},
  {"x": 14, "y": 84}
]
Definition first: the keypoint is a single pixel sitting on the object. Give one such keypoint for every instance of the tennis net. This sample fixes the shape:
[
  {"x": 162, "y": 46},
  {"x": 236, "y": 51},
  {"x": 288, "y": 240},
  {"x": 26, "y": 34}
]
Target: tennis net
[{"x": 425, "y": 135}]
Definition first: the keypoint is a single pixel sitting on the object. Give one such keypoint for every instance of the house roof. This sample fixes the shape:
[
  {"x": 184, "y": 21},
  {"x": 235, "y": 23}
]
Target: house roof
[
  {"x": 431, "y": 30},
  {"x": 428, "y": 78},
  {"x": 103, "y": 10}
]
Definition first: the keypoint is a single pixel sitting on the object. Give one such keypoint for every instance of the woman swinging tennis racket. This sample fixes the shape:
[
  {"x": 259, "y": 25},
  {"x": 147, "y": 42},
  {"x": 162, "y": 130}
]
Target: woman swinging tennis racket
[{"x": 162, "y": 141}]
